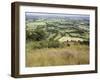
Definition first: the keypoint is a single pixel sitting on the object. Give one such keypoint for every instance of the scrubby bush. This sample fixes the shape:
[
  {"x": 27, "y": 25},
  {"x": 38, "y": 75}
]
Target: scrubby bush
[
  {"x": 39, "y": 44},
  {"x": 36, "y": 34},
  {"x": 28, "y": 35},
  {"x": 36, "y": 45},
  {"x": 85, "y": 42},
  {"x": 46, "y": 44},
  {"x": 53, "y": 44}
]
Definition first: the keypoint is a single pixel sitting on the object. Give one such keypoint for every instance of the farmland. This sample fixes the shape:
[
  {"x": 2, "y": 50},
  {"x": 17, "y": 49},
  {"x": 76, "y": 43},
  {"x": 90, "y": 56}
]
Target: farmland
[{"x": 56, "y": 40}]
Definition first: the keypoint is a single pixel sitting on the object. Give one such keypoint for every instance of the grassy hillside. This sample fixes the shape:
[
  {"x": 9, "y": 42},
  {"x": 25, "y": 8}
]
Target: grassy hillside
[
  {"x": 73, "y": 55},
  {"x": 53, "y": 40}
]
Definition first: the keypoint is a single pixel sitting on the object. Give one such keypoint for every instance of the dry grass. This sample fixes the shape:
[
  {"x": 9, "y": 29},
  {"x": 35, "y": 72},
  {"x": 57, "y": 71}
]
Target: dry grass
[{"x": 73, "y": 55}]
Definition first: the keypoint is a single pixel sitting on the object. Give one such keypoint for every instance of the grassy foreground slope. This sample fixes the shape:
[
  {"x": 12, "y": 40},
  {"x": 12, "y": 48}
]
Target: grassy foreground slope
[{"x": 73, "y": 55}]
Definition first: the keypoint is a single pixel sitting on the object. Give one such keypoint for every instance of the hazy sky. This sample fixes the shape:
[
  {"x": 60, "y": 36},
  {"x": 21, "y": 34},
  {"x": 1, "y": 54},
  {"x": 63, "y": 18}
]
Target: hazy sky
[{"x": 28, "y": 14}]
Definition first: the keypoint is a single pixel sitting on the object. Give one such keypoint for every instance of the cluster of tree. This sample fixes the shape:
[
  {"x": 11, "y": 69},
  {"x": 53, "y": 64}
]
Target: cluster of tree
[{"x": 36, "y": 34}]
